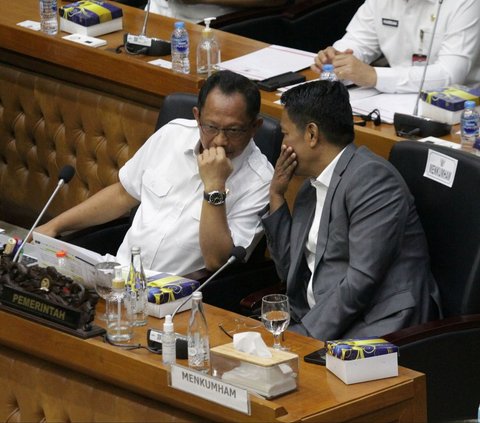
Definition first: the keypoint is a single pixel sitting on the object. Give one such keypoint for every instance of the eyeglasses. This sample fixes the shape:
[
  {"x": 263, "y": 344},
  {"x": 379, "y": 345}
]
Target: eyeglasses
[
  {"x": 373, "y": 116},
  {"x": 230, "y": 133}
]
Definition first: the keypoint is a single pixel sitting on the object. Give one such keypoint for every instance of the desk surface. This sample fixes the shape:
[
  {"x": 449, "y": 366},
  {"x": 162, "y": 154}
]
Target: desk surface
[
  {"x": 320, "y": 395},
  {"x": 134, "y": 72}
]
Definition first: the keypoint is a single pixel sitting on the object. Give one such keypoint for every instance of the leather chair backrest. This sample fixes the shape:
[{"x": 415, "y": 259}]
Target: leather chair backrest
[
  {"x": 179, "y": 105},
  {"x": 451, "y": 220}
]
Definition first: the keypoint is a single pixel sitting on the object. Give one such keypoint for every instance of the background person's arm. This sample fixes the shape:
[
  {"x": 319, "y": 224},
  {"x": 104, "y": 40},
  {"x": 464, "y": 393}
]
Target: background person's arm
[{"x": 106, "y": 205}]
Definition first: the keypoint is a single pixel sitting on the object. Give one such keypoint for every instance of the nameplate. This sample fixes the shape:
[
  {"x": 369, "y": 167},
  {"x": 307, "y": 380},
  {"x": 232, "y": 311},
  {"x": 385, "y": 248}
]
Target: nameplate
[
  {"x": 41, "y": 307},
  {"x": 209, "y": 388},
  {"x": 440, "y": 168}
]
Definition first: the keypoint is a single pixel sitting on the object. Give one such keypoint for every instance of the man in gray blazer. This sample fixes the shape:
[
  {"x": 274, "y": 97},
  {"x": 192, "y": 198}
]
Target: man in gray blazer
[{"x": 353, "y": 251}]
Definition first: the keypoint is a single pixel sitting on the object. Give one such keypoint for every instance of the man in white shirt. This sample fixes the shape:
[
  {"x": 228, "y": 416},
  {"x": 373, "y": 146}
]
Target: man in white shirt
[
  {"x": 197, "y": 10},
  {"x": 401, "y": 30},
  {"x": 199, "y": 185},
  {"x": 352, "y": 250}
]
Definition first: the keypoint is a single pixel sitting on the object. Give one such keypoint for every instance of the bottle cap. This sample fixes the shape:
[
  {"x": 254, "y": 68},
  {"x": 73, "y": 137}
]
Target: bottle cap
[
  {"x": 179, "y": 24},
  {"x": 197, "y": 295},
  {"x": 470, "y": 104},
  {"x": 135, "y": 249},
  {"x": 61, "y": 253},
  {"x": 328, "y": 67},
  {"x": 168, "y": 324}
]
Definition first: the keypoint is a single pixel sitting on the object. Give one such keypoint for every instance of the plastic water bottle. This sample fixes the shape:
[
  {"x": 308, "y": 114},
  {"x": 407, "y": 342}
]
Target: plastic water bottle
[
  {"x": 169, "y": 355},
  {"x": 48, "y": 16},
  {"x": 197, "y": 336},
  {"x": 180, "y": 48},
  {"x": 137, "y": 289},
  {"x": 469, "y": 128},
  {"x": 328, "y": 74}
]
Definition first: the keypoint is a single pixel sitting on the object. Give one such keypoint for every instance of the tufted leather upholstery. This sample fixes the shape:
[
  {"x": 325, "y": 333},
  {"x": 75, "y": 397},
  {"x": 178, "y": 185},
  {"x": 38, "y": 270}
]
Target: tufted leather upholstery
[
  {"x": 33, "y": 390},
  {"x": 45, "y": 124}
]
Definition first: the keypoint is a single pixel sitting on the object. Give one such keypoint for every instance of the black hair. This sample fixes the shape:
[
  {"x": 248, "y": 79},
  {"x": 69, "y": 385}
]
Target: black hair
[
  {"x": 229, "y": 82},
  {"x": 325, "y": 103}
]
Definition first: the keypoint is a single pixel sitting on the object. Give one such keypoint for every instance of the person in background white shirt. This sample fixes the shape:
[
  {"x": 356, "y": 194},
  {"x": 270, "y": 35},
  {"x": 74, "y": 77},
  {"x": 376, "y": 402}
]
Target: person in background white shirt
[
  {"x": 197, "y": 10},
  {"x": 173, "y": 178},
  {"x": 401, "y": 30}
]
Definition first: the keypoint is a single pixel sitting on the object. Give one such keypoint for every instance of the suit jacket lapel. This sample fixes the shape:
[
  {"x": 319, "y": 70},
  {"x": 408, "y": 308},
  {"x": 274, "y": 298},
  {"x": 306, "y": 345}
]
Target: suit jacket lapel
[
  {"x": 304, "y": 211},
  {"x": 325, "y": 220}
]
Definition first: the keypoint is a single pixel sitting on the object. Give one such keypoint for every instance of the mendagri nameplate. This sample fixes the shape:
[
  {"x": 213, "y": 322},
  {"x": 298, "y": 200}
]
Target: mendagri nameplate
[{"x": 209, "y": 388}]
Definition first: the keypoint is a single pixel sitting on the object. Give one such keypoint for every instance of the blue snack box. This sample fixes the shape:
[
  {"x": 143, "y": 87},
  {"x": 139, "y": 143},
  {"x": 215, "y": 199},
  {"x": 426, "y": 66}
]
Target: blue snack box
[
  {"x": 88, "y": 13},
  {"x": 451, "y": 98},
  {"x": 164, "y": 288},
  {"x": 356, "y": 349}
]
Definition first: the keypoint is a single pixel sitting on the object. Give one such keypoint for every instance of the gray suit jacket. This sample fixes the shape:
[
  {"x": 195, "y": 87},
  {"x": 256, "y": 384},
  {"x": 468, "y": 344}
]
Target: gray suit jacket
[{"x": 372, "y": 273}]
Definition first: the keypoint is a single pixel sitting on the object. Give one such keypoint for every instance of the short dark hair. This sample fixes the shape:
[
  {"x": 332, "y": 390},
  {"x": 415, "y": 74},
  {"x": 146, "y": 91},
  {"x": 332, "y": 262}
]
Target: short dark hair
[
  {"x": 229, "y": 82},
  {"x": 327, "y": 104}
]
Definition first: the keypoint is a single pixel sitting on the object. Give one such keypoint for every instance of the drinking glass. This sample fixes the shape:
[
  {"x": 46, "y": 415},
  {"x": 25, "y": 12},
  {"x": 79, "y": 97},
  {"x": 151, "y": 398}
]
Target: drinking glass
[
  {"x": 276, "y": 316},
  {"x": 104, "y": 273}
]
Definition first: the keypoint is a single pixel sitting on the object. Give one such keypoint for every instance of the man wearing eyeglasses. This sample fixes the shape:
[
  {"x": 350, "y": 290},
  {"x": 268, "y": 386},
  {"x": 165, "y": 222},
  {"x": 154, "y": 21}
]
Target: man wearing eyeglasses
[
  {"x": 199, "y": 185},
  {"x": 352, "y": 250}
]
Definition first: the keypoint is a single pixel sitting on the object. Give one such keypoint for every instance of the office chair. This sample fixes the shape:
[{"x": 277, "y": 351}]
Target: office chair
[{"x": 446, "y": 350}]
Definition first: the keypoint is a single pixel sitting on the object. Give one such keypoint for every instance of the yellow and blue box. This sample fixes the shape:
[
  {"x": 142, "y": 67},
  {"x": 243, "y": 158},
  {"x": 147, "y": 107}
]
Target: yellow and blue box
[
  {"x": 167, "y": 291},
  {"x": 446, "y": 104},
  {"x": 92, "y": 18},
  {"x": 361, "y": 360}
]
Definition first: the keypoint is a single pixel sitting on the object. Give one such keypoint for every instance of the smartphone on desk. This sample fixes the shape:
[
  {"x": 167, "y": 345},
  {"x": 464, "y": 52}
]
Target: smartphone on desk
[{"x": 317, "y": 357}]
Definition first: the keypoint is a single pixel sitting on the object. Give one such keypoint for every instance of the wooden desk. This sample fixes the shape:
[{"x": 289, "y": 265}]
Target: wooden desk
[
  {"x": 320, "y": 396},
  {"x": 130, "y": 75}
]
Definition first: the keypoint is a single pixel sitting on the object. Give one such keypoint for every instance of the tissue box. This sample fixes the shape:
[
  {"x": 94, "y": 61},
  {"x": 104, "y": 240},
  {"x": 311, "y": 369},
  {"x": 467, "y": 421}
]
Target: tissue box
[
  {"x": 166, "y": 292},
  {"x": 269, "y": 377},
  {"x": 361, "y": 360},
  {"x": 91, "y": 18},
  {"x": 446, "y": 104}
]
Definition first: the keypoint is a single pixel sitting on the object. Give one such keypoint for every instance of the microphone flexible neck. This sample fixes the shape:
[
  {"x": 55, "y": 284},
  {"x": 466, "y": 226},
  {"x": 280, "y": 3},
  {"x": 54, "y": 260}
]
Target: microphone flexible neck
[{"x": 429, "y": 53}]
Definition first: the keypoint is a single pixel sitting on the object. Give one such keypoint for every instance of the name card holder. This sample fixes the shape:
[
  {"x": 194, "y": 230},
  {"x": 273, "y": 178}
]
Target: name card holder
[{"x": 209, "y": 388}]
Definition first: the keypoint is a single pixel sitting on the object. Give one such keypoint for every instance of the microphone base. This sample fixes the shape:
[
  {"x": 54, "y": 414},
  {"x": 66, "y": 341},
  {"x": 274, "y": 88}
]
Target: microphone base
[
  {"x": 410, "y": 125},
  {"x": 139, "y": 44}
]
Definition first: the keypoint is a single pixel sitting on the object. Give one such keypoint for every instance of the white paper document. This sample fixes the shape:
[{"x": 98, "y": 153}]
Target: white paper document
[
  {"x": 387, "y": 104},
  {"x": 79, "y": 262},
  {"x": 269, "y": 61}
]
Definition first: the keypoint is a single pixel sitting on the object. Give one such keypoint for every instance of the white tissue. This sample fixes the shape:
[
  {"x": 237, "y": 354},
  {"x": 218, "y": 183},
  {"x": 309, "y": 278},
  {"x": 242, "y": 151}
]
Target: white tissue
[{"x": 251, "y": 343}]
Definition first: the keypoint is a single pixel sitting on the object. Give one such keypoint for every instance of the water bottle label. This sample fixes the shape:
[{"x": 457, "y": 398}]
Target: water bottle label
[{"x": 181, "y": 46}]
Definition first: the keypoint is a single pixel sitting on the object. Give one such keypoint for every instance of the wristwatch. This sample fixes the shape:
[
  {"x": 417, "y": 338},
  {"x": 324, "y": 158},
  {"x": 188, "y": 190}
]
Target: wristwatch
[{"x": 216, "y": 198}]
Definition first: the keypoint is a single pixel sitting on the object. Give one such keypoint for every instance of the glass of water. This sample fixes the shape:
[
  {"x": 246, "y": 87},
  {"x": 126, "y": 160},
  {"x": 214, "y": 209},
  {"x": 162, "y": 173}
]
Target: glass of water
[
  {"x": 276, "y": 316},
  {"x": 104, "y": 273}
]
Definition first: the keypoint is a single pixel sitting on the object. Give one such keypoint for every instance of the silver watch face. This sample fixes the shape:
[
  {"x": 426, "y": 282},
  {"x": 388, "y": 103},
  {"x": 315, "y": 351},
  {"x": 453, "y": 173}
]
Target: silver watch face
[{"x": 216, "y": 198}]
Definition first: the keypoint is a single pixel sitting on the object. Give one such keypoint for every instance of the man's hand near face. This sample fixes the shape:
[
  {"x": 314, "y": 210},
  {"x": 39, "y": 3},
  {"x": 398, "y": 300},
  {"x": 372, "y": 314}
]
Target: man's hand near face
[
  {"x": 214, "y": 167},
  {"x": 284, "y": 169}
]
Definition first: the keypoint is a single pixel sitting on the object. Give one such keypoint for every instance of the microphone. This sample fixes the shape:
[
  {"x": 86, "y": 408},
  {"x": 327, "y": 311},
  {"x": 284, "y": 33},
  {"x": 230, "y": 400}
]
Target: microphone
[
  {"x": 237, "y": 254},
  {"x": 141, "y": 44},
  {"x": 181, "y": 347},
  {"x": 414, "y": 125},
  {"x": 64, "y": 177}
]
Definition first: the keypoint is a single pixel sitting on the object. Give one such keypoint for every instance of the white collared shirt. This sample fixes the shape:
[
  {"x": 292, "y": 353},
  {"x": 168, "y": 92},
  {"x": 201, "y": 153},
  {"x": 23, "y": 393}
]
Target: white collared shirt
[
  {"x": 164, "y": 176},
  {"x": 321, "y": 185},
  {"x": 400, "y": 28}
]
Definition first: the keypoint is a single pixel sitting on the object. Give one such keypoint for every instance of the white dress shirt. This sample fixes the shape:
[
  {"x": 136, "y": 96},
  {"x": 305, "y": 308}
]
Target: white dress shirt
[
  {"x": 321, "y": 185},
  {"x": 164, "y": 176},
  {"x": 402, "y": 28}
]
